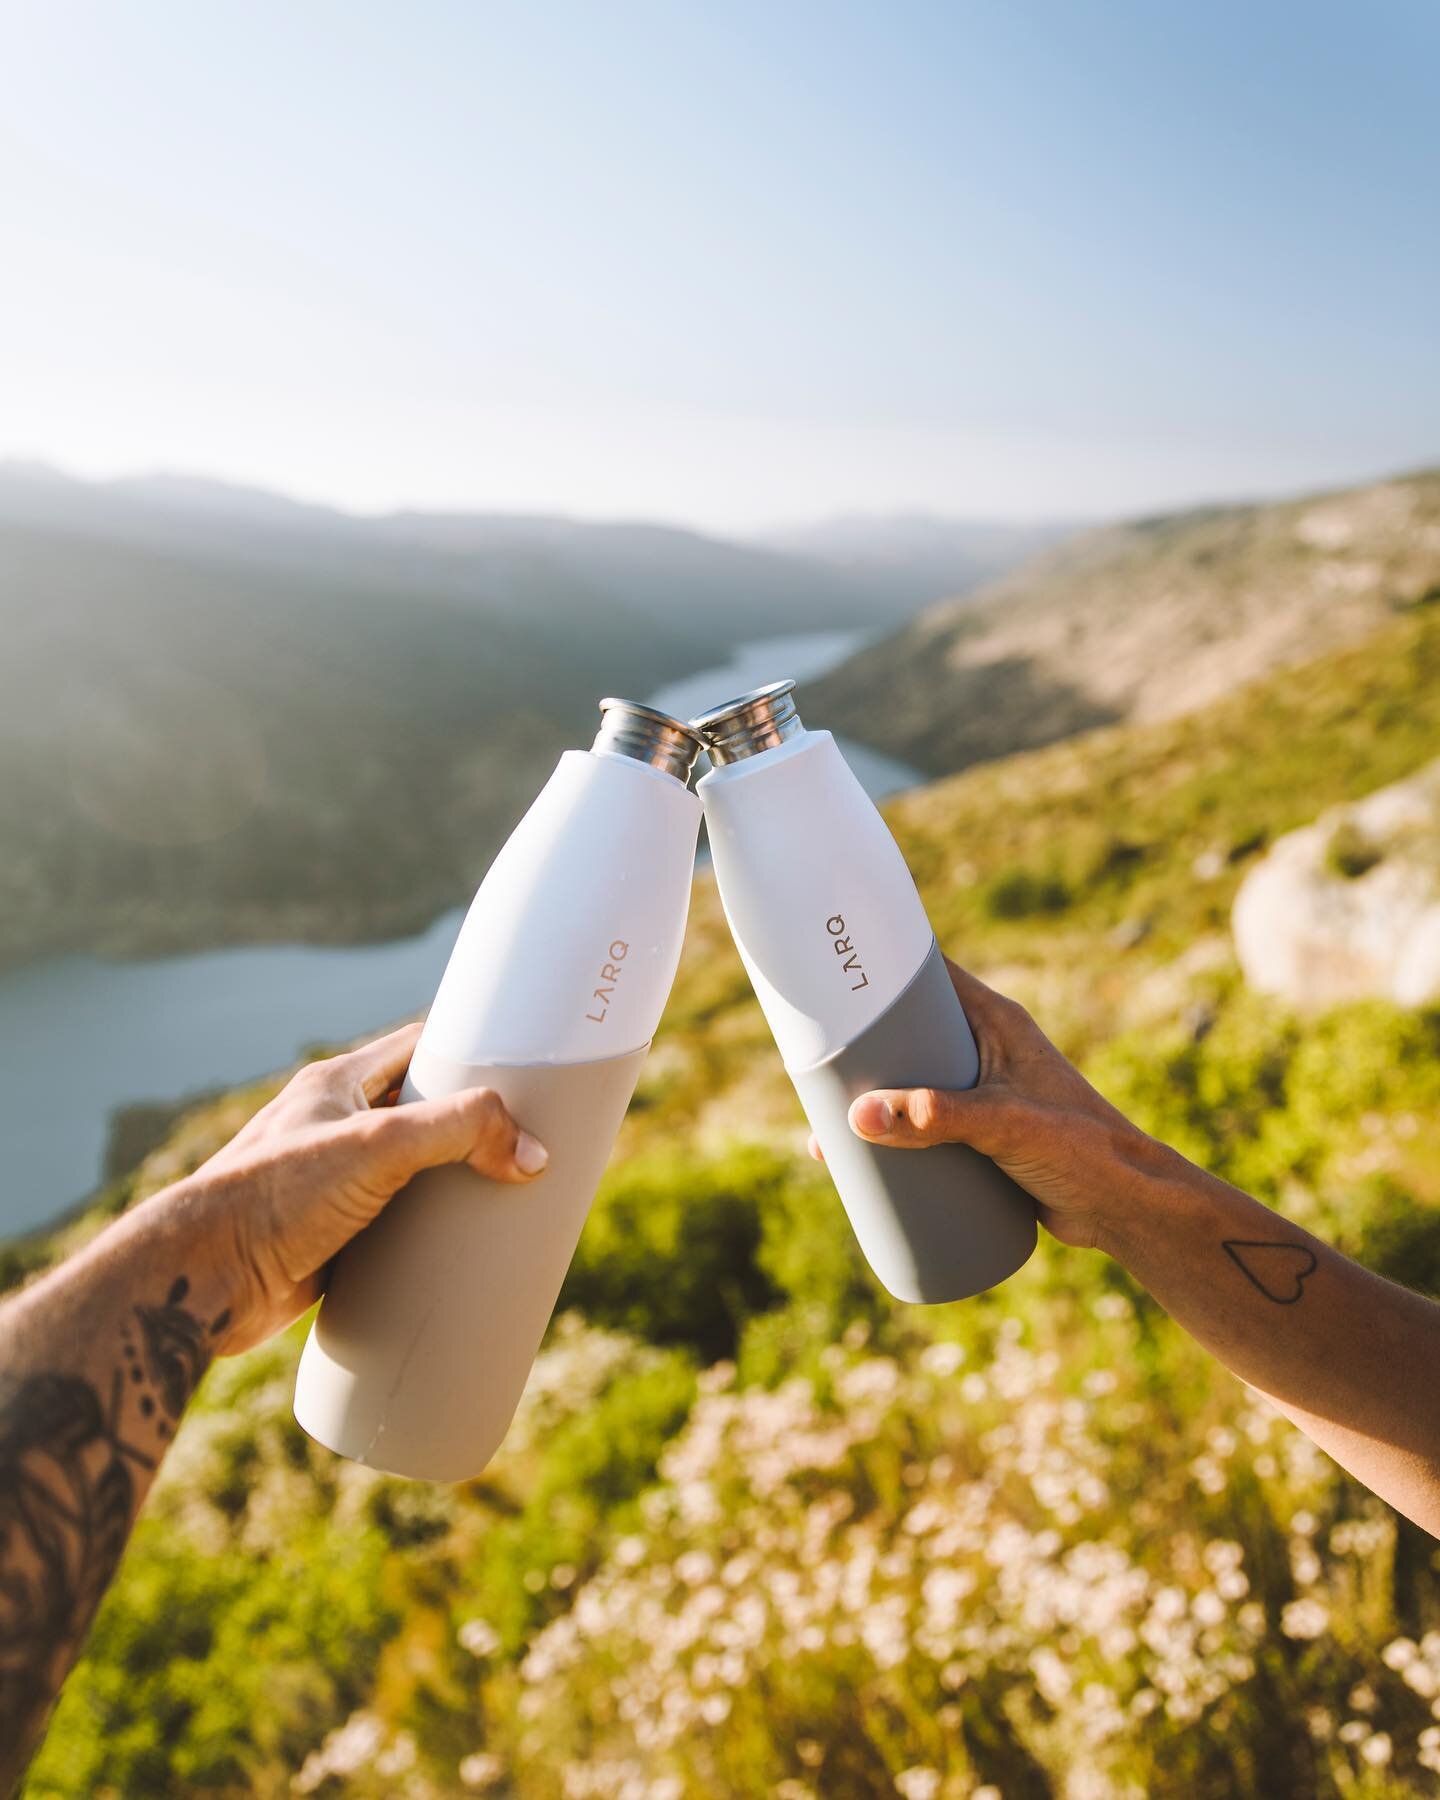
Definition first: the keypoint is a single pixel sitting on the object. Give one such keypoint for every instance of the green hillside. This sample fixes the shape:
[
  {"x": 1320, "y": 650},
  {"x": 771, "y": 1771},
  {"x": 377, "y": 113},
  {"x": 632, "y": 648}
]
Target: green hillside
[
  {"x": 226, "y": 717},
  {"x": 760, "y": 1531},
  {"x": 1140, "y": 621}
]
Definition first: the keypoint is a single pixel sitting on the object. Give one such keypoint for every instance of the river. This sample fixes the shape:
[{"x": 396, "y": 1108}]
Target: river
[{"x": 81, "y": 1038}]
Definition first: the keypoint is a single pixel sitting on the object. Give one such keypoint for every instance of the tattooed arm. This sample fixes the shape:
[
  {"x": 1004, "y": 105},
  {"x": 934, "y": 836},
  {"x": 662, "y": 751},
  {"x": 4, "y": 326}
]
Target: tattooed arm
[
  {"x": 1350, "y": 1357},
  {"x": 98, "y": 1360}
]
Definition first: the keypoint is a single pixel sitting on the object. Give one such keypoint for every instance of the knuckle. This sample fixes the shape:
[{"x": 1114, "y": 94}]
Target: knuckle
[
  {"x": 1007, "y": 1120},
  {"x": 1000, "y": 1030},
  {"x": 314, "y": 1077},
  {"x": 485, "y": 1111},
  {"x": 1010, "y": 1013},
  {"x": 929, "y": 1111}
]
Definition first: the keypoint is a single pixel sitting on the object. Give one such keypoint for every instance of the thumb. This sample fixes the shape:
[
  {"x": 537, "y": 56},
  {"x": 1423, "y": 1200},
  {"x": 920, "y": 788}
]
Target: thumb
[
  {"x": 917, "y": 1118},
  {"x": 470, "y": 1127}
]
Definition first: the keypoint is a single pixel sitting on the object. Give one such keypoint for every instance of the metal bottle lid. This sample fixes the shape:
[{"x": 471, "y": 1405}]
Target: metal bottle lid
[
  {"x": 756, "y": 721},
  {"x": 627, "y": 728}
]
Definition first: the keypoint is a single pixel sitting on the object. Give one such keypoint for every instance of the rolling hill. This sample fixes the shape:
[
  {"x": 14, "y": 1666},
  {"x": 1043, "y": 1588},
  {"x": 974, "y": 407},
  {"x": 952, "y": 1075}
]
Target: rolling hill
[
  {"x": 1138, "y": 621},
  {"x": 228, "y": 716}
]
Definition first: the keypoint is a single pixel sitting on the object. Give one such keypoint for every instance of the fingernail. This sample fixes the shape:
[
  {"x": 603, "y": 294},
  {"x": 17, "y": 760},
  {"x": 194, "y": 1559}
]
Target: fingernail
[
  {"x": 531, "y": 1155},
  {"x": 871, "y": 1116}
]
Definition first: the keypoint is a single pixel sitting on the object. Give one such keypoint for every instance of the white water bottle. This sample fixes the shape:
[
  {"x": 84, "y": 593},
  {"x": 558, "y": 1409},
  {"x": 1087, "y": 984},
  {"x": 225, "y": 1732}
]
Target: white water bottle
[
  {"x": 432, "y": 1317},
  {"x": 835, "y": 939}
]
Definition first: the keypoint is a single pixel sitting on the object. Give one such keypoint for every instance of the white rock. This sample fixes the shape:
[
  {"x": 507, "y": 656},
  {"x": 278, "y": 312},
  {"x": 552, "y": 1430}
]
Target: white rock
[{"x": 1308, "y": 933}]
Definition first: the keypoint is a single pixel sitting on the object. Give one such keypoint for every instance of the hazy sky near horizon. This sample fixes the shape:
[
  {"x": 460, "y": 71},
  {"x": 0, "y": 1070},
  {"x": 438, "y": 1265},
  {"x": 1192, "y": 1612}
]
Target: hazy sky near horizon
[{"x": 730, "y": 265}]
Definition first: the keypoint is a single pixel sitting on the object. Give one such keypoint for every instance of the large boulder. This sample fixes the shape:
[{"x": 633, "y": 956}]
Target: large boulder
[{"x": 1349, "y": 907}]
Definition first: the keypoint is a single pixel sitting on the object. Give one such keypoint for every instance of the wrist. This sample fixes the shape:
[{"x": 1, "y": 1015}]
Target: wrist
[
  {"x": 1151, "y": 1182},
  {"x": 181, "y": 1234}
]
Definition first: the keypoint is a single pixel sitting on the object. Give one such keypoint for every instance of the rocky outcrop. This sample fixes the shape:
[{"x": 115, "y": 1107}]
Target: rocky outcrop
[{"x": 1349, "y": 907}]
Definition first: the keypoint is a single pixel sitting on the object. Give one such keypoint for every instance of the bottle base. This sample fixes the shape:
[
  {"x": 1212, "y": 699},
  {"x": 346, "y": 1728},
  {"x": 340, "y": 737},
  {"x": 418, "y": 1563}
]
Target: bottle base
[
  {"x": 433, "y": 1316},
  {"x": 935, "y": 1225}
]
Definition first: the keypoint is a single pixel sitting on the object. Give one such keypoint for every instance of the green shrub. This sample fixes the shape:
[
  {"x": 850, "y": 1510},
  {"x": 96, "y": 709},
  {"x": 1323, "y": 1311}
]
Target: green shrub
[
  {"x": 1271, "y": 1101},
  {"x": 1024, "y": 894},
  {"x": 670, "y": 1252},
  {"x": 217, "y": 1672}
]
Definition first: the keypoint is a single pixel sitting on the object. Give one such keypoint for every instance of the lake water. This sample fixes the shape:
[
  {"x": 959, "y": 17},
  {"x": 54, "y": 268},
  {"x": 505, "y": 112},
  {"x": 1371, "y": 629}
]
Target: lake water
[{"x": 80, "y": 1038}]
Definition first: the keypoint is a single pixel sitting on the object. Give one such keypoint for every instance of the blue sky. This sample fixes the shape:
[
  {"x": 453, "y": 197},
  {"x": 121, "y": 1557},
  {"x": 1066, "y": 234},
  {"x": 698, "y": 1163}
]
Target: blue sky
[{"x": 730, "y": 264}]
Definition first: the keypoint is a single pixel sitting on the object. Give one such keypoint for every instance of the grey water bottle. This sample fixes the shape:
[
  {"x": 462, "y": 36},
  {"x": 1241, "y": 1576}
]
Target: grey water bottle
[{"x": 854, "y": 986}]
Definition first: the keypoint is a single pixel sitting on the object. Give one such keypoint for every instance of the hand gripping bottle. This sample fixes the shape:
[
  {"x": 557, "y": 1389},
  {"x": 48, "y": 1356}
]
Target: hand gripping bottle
[
  {"x": 432, "y": 1317},
  {"x": 852, "y": 981}
]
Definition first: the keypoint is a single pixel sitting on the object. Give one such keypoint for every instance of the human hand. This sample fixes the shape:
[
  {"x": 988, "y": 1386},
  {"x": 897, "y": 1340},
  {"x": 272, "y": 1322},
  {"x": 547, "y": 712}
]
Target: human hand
[
  {"x": 266, "y": 1214},
  {"x": 1031, "y": 1112}
]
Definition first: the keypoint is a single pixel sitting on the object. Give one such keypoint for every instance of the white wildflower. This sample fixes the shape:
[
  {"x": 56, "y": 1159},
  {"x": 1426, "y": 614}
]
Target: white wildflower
[
  {"x": 1399, "y": 1653},
  {"x": 1303, "y": 1619},
  {"x": 347, "y": 1749},
  {"x": 942, "y": 1359},
  {"x": 1207, "y": 1607},
  {"x": 479, "y": 1637},
  {"x": 1421, "y": 1678},
  {"x": 1377, "y": 1750},
  {"x": 481, "y": 1770}
]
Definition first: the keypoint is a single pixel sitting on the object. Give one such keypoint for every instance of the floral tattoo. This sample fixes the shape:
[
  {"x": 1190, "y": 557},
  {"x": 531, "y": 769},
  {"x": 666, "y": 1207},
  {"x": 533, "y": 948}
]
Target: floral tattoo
[{"x": 67, "y": 1494}]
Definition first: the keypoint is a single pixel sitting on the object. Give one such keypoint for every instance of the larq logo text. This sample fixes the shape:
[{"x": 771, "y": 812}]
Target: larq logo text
[
  {"x": 609, "y": 975},
  {"x": 842, "y": 946}
]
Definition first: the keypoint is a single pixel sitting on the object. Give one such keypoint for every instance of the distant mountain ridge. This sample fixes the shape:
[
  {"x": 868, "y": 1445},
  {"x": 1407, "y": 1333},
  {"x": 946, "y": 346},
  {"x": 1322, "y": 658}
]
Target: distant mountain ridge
[
  {"x": 494, "y": 563},
  {"x": 230, "y": 716},
  {"x": 1138, "y": 621},
  {"x": 850, "y": 572}
]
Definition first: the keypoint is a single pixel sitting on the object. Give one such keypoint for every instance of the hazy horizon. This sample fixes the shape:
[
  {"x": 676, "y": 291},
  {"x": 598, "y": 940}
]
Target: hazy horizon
[{"x": 772, "y": 531}]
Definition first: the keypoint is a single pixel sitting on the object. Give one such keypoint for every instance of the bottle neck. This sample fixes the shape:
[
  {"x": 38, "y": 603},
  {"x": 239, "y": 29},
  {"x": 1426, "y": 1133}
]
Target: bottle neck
[
  {"x": 759, "y": 762},
  {"x": 761, "y": 721},
  {"x": 644, "y": 735}
]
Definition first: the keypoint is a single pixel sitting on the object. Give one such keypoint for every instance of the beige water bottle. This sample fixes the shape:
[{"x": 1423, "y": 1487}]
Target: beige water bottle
[{"x": 433, "y": 1315}]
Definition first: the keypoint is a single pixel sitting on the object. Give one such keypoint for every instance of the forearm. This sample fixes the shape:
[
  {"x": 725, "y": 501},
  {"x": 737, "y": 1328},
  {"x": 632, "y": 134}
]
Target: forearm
[
  {"x": 1350, "y": 1357},
  {"x": 97, "y": 1362}
]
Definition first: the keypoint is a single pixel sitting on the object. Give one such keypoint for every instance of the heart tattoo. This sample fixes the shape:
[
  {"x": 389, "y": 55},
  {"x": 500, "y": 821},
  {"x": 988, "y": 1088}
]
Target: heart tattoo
[{"x": 1278, "y": 1270}]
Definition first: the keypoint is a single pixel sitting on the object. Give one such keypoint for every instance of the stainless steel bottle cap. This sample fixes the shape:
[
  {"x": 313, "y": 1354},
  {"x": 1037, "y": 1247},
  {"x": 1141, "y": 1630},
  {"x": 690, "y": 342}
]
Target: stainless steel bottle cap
[
  {"x": 756, "y": 721},
  {"x": 629, "y": 729}
]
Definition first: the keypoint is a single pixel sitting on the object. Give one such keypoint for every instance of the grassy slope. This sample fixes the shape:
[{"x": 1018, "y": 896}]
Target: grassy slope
[
  {"x": 1139, "y": 621},
  {"x": 1093, "y": 846},
  {"x": 1069, "y": 876}
]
